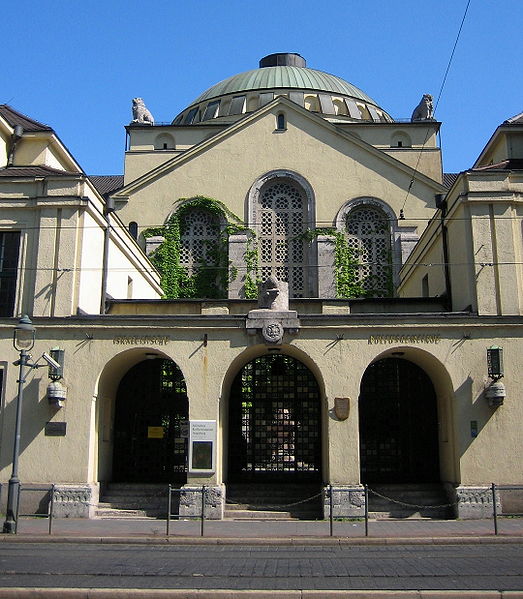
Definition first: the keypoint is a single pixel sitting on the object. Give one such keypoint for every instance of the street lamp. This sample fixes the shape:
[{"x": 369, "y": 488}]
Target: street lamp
[{"x": 23, "y": 341}]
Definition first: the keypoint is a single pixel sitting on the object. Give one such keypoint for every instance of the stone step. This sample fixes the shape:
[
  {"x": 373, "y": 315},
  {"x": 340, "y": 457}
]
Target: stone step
[
  {"x": 258, "y": 515},
  {"x": 132, "y": 504},
  {"x": 110, "y": 513},
  {"x": 126, "y": 491},
  {"x": 420, "y": 500},
  {"x": 234, "y": 507}
]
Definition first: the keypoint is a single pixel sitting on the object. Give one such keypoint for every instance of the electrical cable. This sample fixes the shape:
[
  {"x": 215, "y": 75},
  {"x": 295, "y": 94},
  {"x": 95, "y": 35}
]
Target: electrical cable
[{"x": 436, "y": 105}]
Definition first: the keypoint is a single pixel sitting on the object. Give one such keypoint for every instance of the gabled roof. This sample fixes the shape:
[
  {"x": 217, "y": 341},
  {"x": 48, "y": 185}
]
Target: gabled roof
[
  {"x": 245, "y": 122},
  {"x": 13, "y": 117},
  {"x": 35, "y": 171},
  {"x": 513, "y": 123},
  {"x": 106, "y": 184}
]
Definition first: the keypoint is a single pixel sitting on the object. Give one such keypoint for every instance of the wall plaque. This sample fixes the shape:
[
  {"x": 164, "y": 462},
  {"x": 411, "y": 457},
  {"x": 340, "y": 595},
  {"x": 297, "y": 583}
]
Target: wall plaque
[
  {"x": 55, "y": 429},
  {"x": 202, "y": 441}
]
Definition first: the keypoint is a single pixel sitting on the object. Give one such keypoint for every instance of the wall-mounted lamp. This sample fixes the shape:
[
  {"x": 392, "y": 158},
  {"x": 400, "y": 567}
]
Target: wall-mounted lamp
[
  {"x": 495, "y": 392},
  {"x": 56, "y": 371},
  {"x": 56, "y": 394},
  {"x": 495, "y": 362},
  {"x": 56, "y": 391}
]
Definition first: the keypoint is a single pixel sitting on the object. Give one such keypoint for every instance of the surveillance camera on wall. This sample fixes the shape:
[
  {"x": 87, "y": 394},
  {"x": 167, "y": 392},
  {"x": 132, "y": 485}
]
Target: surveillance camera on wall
[{"x": 51, "y": 361}]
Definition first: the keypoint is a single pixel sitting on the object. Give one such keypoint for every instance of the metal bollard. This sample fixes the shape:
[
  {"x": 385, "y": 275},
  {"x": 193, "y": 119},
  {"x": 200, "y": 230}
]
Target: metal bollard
[
  {"x": 169, "y": 507},
  {"x": 366, "y": 511},
  {"x": 203, "y": 511},
  {"x": 331, "y": 511},
  {"x": 51, "y": 511},
  {"x": 494, "y": 508}
]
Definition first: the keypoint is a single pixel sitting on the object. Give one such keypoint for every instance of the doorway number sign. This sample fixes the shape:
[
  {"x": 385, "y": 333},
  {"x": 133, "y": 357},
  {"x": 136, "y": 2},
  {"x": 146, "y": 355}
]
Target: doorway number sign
[{"x": 202, "y": 446}]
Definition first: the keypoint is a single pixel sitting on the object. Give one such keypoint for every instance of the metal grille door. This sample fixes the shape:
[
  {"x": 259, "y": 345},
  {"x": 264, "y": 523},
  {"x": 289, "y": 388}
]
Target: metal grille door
[
  {"x": 151, "y": 410},
  {"x": 275, "y": 422},
  {"x": 398, "y": 424}
]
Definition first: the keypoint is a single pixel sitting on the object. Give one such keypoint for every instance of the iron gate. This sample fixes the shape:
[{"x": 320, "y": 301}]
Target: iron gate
[
  {"x": 398, "y": 424},
  {"x": 151, "y": 409},
  {"x": 274, "y": 422}
]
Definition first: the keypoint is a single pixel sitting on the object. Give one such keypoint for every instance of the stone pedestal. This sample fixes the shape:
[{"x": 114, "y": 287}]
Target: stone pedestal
[
  {"x": 326, "y": 269},
  {"x": 191, "y": 501},
  {"x": 237, "y": 248},
  {"x": 75, "y": 500},
  {"x": 475, "y": 502},
  {"x": 348, "y": 501}
]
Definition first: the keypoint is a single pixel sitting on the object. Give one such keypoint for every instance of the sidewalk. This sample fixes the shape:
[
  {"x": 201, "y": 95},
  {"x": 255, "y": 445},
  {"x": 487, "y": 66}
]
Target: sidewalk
[{"x": 268, "y": 531}]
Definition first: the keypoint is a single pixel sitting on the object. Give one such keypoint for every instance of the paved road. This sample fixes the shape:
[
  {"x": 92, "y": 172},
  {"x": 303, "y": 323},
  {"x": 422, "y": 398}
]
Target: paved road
[{"x": 402, "y": 567}]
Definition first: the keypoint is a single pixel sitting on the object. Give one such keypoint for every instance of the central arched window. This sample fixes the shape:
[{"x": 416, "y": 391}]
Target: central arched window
[
  {"x": 281, "y": 218},
  {"x": 368, "y": 234}
]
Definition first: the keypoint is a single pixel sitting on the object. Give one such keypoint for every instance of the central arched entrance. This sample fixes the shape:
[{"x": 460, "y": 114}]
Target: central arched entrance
[
  {"x": 275, "y": 422},
  {"x": 398, "y": 424},
  {"x": 151, "y": 411}
]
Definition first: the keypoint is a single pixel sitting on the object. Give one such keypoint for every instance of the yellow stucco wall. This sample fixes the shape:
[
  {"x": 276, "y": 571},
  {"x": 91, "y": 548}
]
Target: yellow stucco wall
[
  {"x": 338, "y": 168},
  {"x": 95, "y": 363}
]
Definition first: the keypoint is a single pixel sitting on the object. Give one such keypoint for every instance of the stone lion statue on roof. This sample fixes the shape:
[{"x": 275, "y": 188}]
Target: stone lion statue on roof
[
  {"x": 424, "y": 110},
  {"x": 141, "y": 115}
]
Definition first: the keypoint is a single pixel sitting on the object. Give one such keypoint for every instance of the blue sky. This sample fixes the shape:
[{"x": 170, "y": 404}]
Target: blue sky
[{"x": 76, "y": 65}]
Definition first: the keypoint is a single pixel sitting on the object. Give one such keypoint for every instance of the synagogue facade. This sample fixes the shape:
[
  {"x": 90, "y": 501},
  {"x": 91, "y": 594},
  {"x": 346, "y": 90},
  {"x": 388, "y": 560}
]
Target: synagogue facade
[{"x": 283, "y": 291}]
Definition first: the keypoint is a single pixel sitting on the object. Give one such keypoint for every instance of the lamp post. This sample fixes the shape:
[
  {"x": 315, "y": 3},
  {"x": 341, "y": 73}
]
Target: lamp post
[{"x": 23, "y": 341}]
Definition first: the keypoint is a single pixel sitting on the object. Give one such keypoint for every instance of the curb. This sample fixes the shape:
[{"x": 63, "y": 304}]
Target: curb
[
  {"x": 52, "y": 593},
  {"x": 290, "y": 541}
]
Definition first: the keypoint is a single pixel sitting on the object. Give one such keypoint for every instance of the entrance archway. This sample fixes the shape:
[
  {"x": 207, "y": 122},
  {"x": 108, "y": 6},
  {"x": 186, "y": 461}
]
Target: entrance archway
[
  {"x": 398, "y": 424},
  {"x": 150, "y": 412},
  {"x": 274, "y": 422}
]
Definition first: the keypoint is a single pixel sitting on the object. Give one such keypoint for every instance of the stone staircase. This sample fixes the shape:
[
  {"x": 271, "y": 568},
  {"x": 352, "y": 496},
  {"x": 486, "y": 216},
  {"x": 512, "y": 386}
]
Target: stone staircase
[
  {"x": 414, "y": 495},
  {"x": 260, "y": 501},
  {"x": 133, "y": 500}
]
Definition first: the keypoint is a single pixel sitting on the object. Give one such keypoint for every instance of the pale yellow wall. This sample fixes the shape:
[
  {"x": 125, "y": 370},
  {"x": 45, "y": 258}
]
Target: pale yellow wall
[
  {"x": 137, "y": 163},
  {"x": 427, "y": 259},
  {"x": 337, "y": 168},
  {"x": 456, "y": 365},
  {"x": 61, "y": 250},
  {"x": 496, "y": 153},
  {"x": 91, "y": 256},
  {"x": 427, "y": 161}
]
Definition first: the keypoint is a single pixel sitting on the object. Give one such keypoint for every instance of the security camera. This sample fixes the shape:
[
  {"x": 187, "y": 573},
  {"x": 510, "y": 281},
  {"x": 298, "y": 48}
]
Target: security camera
[{"x": 52, "y": 362}]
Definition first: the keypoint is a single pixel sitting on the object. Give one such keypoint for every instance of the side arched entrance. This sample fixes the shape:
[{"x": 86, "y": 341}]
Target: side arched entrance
[
  {"x": 274, "y": 423},
  {"x": 398, "y": 424},
  {"x": 151, "y": 411}
]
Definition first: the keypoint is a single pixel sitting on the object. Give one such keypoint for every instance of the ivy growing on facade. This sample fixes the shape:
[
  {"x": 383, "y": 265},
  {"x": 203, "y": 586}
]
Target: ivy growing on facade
[
  {"x": 347, "y": 262},
  {"x": 206, "y": 279}
]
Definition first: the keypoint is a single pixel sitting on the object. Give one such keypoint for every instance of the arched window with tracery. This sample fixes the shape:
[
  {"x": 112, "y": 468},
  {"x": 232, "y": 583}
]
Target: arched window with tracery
[
  {"x": 199, "y": 235},
  {"x": 281, "y": 217},
  {"x": 368, "y": 233}
]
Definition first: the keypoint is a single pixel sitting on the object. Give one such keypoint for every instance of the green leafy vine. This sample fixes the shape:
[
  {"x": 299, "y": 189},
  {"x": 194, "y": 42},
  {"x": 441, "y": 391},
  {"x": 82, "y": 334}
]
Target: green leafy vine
[
  {"x": 208, "y": 279},
  {"x": 349, "y": 285}
]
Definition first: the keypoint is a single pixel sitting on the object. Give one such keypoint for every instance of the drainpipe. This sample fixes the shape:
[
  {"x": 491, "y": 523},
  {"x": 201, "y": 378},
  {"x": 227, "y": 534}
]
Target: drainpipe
[
  {"x": 17, "y": 134},
  {"x": 108, "y": 208},
  {"x": 441, "y": 203}
]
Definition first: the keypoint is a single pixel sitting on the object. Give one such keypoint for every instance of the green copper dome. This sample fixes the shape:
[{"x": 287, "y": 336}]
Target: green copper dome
[
  {"x": 282, "y": 74},
  {"x": 286, "y": 77}
]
